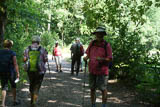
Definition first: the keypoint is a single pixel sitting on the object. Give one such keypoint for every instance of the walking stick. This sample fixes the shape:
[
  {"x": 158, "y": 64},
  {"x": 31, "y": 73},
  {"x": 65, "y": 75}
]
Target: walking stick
[{"x": 84, "y": 82}]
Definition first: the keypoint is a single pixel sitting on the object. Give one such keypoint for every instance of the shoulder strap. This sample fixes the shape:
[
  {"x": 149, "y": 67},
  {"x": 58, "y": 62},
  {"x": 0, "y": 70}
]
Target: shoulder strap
[
  {"x": 92, "y": 44},
  {"x": 30, "y": 49},
  {"x": 39, "y": 48},
  {"x": 105, "y": 45}
]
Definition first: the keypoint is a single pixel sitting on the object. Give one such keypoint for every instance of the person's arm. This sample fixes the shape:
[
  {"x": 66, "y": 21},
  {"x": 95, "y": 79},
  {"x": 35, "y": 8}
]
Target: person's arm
[
  {"x": 71, "y": 51},
  {"x": 16, "y": 66},
  {"x": 82, "y": 50},
  {"x": 25, "y": 58},
  {"x": 45, "y": 56},
  {"x": 53, "y": 53},
  {"x": 108, "y": 58},
  {"x": 87, "y": 52}
]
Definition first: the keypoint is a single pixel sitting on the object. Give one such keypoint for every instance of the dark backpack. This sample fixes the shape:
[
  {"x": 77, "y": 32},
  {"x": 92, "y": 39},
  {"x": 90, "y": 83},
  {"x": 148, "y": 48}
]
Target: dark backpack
[
  {"x": 104, "y": 47},
  {"x": 78, "y": 51},
  {"x": 34, "y": 59},
  {"x": 5, "y": 60}
]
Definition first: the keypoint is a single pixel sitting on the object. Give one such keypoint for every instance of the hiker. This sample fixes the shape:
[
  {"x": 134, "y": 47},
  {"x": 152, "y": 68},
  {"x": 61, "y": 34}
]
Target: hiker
[
  {"x": 36, "y": 57},
  {"x": 8, "y": 71},
  {"x": 77, "y": 52},
  {"x": 99, "y": 53},
  {"x": 57, "y": 56}
]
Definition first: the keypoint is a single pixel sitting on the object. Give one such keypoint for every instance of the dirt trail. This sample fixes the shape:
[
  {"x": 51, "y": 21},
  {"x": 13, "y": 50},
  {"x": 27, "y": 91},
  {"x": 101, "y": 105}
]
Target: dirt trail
[{"x": 64, "y": 90}]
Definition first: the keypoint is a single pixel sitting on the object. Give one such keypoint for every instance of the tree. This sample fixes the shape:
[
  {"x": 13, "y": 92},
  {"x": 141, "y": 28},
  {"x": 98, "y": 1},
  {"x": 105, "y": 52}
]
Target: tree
[{"x": 3, "y": 19}]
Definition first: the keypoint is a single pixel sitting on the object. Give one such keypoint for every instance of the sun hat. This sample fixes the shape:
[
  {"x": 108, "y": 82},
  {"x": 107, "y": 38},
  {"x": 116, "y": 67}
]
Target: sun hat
[
  {"x": 77, "y": 38},
  {"x": 36, "y": 39},
  {"x": 100, "y": 29},
  {"x": 8, "y": 43}
]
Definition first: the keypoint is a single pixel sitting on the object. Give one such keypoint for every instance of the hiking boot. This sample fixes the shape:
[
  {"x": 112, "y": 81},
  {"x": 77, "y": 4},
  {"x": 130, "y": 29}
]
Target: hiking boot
[
  {"x": 93, "y": 105},
  {"x": 16, "y": 103},
  {"x": 76, "y": 74},
  {"x": 104, "y": 105},
  {"x": 33, "y": 105}
]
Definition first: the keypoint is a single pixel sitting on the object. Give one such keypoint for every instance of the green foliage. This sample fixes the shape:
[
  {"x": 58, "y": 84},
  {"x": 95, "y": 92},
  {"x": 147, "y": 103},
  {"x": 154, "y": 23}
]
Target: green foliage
[
  {"x": 48, "y": 40},
  {"x": 132, "y": 27}
]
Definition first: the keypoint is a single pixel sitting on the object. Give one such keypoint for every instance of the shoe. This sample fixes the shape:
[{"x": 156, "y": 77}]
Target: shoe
[
  {"x": 56, "y": 70},
  {"x": 104, "y": 105},
  {"x": 61, "y": 71},
  {"x": 93, "y": 105},
  {"x": 33, "y": 105},
  {"x": 16, "y": 103},
  {"x": 76, "y": 74}
]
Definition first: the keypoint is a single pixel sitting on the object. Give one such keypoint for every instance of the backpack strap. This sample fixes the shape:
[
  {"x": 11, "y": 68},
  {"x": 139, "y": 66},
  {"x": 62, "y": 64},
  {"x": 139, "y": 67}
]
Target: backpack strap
[
  {"x": 105, "y": 45},
  {"x": 30, "y": 49},
  {"x": 39, "y": 48}
]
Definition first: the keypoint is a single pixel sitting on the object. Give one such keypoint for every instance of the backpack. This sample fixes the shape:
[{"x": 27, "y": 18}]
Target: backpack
[
  {"x": 5, "y": 60},
  {"x": 34, "y": 59},
  {"x": 105, "y": 45},
  {"x": 77, "y": 50}
]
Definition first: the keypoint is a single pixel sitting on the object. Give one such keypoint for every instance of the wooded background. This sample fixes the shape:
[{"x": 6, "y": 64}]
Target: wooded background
[{"x": 132, "y": 27}]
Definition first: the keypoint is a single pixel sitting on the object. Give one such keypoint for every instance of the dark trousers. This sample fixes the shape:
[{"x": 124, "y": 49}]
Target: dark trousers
[
  {"x": 77, "y": 60},
  {"x": 5, "y": 77},
  {"x": 35, "y": 80}
]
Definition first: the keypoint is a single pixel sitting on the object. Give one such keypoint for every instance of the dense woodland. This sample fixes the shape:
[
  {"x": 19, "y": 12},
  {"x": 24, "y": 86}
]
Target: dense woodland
[{"x": 133, "y": 28}]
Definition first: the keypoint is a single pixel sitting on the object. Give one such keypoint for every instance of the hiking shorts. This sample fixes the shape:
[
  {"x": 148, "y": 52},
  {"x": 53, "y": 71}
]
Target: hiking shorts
[
  {"x": 98, "y": 81},
  {"x": 35, "y": 80},
  {"x": 58, "y": 60},
  {"x": 5, "y": 77}
]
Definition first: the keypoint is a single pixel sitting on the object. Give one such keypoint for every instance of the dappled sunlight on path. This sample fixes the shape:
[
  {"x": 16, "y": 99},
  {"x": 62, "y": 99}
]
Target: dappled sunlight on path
[{"x": 60, "y": 89}]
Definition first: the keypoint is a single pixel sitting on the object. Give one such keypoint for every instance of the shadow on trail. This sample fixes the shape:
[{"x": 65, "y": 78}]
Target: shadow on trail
[{"x": 63, "y": 90}]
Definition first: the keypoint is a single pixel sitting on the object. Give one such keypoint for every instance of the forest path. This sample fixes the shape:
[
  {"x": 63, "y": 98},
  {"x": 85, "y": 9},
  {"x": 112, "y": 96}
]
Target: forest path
[{"x": 64, "y": 90}]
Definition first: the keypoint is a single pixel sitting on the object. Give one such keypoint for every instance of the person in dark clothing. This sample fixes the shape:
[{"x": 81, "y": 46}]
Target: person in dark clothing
[
  {"x": 9, "y": 72},
  {"x": 77, "y": 51}
]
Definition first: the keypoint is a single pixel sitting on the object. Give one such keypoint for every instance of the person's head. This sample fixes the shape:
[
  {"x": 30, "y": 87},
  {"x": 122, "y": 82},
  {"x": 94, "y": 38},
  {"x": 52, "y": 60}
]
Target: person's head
[
  {"x": 100, "y": 33},
  {"x": 8, "y": 43},
  {"x": 56, "y": 43},
  {"x": 36, "y": 39},
  {"x": 77, "y": 40}
]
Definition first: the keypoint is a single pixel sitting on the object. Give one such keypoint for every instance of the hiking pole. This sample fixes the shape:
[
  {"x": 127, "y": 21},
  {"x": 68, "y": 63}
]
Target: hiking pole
[{"x": 84, "y": 82}]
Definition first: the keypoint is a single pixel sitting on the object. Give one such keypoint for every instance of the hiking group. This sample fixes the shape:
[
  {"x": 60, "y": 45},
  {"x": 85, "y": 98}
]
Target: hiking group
[{"x": 99, "y": 53}]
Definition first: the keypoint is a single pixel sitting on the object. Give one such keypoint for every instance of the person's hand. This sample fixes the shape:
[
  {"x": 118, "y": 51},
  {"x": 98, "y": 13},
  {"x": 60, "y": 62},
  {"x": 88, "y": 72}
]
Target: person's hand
[{"x": 99, "y": 58}]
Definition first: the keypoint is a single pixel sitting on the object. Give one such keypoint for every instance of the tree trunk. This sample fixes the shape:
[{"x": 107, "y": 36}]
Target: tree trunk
[
  {"x": 49, "y": 24},
  {"x": 2, "y": 22}
]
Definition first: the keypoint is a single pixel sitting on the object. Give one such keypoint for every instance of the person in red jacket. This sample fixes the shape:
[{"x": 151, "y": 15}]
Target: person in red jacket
[
  {"x": 99, "y": 58},
  {"x": 57, "y": 56}
]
